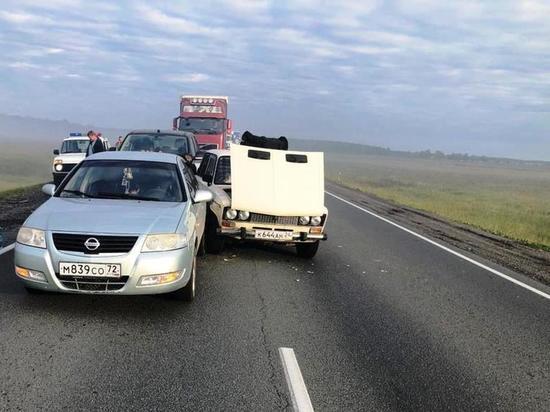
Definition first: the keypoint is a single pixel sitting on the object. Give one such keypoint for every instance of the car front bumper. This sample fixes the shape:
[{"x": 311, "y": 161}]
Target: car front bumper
[
  {"x": 244, "y": 233},
  {"x": 134, "y": 265}
]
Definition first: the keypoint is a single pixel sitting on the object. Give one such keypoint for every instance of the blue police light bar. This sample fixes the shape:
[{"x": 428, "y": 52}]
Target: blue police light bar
[{"x": 74, "y": 134}]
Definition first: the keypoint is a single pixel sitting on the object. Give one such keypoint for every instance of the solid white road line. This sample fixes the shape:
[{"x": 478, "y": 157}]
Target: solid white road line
[
  {"x": 296, "y": 386},
  {"x": 445, "y": 248},
  {"x": 7, "y": 249}
]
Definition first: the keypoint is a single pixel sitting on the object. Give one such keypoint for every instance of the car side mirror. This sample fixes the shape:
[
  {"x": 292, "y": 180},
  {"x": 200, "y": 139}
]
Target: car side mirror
[
  {"x": 56, "y": 152},
  {"x": 48, "y": 189},
  {"x": 203, "y": 196}
]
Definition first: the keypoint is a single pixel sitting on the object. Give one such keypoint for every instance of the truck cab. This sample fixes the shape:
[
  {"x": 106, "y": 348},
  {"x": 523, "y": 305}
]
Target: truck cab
[
  {"x": 206, "y": 118},
  {"x": 72, "y": 152}
]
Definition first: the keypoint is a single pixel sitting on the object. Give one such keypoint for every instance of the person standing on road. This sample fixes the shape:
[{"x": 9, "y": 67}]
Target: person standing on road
[
  {"x": 96, "y": 145},
  {"x": 118, "y": 142}
]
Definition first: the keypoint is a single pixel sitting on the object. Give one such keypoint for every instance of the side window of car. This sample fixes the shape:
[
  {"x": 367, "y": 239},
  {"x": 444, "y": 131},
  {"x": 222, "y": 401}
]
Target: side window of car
[
  {"x": 210, "y": 167},
  {"x": 204, "y": 163},
  {"x": 191, "y": 181},
  {"x": 223, "y": 172}
]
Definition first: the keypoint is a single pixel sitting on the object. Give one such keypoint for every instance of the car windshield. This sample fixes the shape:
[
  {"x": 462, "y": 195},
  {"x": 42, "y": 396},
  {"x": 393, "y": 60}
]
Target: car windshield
[
  {"x": 116, "y": 179},
  {"x": 167, "y": 143},
  {"x": 203, "y": 125},
  {"x": 223, "y": 172},
  {"x": 75, "y": 146}
]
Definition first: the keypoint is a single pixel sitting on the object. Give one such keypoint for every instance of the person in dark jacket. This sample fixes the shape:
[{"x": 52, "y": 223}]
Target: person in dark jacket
[{"x": 96, "y": 145}]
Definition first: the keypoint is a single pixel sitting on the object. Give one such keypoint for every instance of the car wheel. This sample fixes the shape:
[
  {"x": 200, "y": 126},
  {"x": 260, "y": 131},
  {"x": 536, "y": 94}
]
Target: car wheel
[
  {"x": 214, "y": 242},
  {"x": 307, "y": 250},
  {"x": 187, "y": 293}
]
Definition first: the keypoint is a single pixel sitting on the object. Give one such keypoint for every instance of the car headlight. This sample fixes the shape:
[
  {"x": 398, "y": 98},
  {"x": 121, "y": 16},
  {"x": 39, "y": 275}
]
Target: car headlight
[
  {"x": 304, "y": 220},
  {"x": 59, "y": 167},
  {"x": 164, "y": 242},
  {"x": 152, "y": 280},
  {"x": 230, "y": 214},
  {"x": 315, "y": 220},
  {"x": 31, "y": 237},
  {"x": 30, "y": 274},
  {"x": 244, "y": 215}
]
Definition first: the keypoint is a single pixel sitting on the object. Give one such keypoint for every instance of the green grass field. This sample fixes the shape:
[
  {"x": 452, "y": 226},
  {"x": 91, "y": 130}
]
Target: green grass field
[
  {"x": 24, "y": 164},
  {"x": 512, "y": 199},
  {"x": 509, "y": 200}
]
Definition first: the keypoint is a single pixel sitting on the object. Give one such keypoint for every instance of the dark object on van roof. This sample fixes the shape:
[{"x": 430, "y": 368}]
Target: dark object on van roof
[{"x": 249, "y": 139}]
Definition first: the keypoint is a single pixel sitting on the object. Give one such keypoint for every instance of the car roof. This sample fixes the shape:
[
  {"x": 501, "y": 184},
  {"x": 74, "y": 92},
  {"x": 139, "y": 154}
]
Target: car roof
[
  {"x": 161, "y": 131},
  {"x": 76, "y": 138},
  {"x": 219, "y": 152},
  {"x": 140, "y": 156}
]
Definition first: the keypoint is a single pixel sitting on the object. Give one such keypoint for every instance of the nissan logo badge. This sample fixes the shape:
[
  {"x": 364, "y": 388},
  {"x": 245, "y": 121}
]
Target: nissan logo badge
[{"x": 92, "y": 243}]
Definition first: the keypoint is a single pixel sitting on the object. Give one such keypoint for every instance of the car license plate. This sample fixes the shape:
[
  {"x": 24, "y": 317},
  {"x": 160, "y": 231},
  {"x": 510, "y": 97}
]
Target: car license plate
[
  {"x": 273, "y": 234},
  {"x": 97, "y": 270}
]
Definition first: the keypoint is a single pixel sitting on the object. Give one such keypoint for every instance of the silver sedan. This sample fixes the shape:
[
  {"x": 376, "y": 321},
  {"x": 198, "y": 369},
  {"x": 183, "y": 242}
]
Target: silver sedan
[{"x": 124, "y": 223}]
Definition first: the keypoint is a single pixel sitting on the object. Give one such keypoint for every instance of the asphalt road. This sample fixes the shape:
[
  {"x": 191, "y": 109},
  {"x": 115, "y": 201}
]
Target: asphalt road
[{"x": 379, "y": 320}]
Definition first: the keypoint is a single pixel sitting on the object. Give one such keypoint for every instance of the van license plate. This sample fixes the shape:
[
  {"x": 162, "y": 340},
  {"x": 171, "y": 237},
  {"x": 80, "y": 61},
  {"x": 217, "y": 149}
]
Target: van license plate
[{"x": 273, "y": 234}]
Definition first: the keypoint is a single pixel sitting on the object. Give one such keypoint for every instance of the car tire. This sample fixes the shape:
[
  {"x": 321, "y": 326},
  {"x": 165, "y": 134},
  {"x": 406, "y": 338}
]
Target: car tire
[
  {"x": 307, "y": 250},
  {"x": 214, "y": 242},
  {"x": 187, "y": 293}
]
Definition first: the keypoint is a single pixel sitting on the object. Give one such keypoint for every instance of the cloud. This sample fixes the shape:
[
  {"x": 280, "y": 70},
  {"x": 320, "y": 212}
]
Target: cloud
[
  {"x": 18, "y": 17},
  {"x": 396, "y": 61},
  {"x": 187, "y": 78},
  {"x": 174, "y": 24}
]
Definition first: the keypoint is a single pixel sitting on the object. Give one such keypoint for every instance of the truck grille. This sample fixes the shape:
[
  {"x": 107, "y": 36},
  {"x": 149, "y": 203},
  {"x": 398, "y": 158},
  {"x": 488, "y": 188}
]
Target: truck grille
[
  {"x": 274, "y": 220},
  {"x": 93, "y": 284},
  {"x": 107, "y": 244}
]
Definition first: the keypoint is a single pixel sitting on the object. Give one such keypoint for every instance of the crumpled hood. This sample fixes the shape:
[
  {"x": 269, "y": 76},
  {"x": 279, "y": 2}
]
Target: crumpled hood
[{"x": 107, "y": 216}]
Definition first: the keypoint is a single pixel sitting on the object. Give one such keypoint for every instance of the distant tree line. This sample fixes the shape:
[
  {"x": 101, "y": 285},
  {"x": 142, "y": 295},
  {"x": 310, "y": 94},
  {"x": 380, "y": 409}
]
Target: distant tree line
[{"x": 362, "y": 149}]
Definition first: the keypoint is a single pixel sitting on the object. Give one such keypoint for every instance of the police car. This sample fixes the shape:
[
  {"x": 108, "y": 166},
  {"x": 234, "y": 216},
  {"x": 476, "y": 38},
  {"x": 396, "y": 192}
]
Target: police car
[{"x": 72, "y": 152}]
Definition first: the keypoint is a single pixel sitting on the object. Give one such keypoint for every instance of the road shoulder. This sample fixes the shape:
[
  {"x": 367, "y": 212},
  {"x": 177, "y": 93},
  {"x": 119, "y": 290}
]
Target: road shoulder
[{"x": 512, "y": 255}]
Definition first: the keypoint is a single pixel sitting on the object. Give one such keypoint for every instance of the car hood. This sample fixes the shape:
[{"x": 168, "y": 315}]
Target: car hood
[
  {"x": 107, "y": 216},
  {"x": 71, "y": 157}
]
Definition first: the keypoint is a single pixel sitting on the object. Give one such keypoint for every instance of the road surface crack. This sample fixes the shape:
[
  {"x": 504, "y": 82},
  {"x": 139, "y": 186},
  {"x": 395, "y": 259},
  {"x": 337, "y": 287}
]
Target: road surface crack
[{"x": 271, "y": 357}]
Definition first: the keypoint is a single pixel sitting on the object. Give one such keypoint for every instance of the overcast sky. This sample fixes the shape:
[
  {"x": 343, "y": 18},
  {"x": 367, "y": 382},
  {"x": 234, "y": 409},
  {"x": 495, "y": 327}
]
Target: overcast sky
[{"x": 454, "y": 75}]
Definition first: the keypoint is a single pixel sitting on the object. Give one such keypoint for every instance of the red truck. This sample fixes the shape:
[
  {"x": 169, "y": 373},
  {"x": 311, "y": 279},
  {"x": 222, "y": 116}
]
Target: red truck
[{"x": 206, "y": 117}]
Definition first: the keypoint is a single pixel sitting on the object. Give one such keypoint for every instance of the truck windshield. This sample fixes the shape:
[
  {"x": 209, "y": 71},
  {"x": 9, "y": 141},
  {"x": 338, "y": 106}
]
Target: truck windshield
[
  {"x": 75, "y": 146},
  {"x": 166, "y": 143},
  {"x": 202, "y": 125}
]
